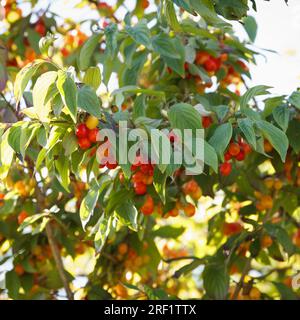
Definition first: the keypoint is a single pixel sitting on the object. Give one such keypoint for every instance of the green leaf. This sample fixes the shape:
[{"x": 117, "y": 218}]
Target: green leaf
[
  {"x": 250, "y": 26},
  {"x": 127, "y": 214},
  {"x": 140, "y": 33},
  {"x": 210, "y": 156},
  {"x": 216, "y": 280},
  {"x": 159, "y": 182},
  {"x": 285, "y": 292},
  {"x": 188, "y": 268},
  {"x": 184, "y": 4},
  {"x": 54, "y": 136},
  {"x": 205, "y": 9},
  {"x": 281, "y": 115},
  {"x": 251, "y": 93},
  {"x": 246, "y": 126},
  {"x": 221, "y": 138},
  {"x": 111, "y": 32},
  {"x": 165, "y": 46},
  {"x": 62, "y": 165},
  {"x": 32, "y": 219},
  {"x": 88, "y": 204},
  {"x": 117, "y": 198},
  {"x": 39, "y": 94},
  {"x": 168, "y": 232},
  {"x": 276, "y": 137},
  {"x": 184, "y": 116},
  {"x": 6, "y": 155},
  {"x": 293, "y": 134},
  {"x": 281, "y": 236},
  {"x": 12, "y": 284},
  {"x": 171, "y": 16},
  {"x": 177, "y": 64},
  {"x": 68, "y": 91},
  {"x": 87, "y": 50},
  {"x": 24, "y": 76},
  {"x": 88, "y": 101},
  {"x": 102, "y": 233},
  {"x": 92, "y": 77},
  {"x": 294, "y": 99}
]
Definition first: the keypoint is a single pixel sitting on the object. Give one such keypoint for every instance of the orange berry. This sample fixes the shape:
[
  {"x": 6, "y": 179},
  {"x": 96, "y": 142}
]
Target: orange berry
[
  {"x": 174, "y": 212},
  {"x": 267, "y": 146},
  {"x": 22, "y": 216},
  {"x": 266, "y": 241},
  {"x": 189, "y": 210},
  {"x": 19, "y": 269},
  {"x": 122, "y": 248},
  {"x": 234, "y": 149},
  {"x": 148, "y": 206},
  {"x": 232, "y": 228}
]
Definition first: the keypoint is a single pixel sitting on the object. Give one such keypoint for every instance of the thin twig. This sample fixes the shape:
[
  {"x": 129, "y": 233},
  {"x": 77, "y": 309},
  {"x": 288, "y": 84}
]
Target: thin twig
[
  {"x": 241, "y": 282},
  {"x": 58, "y": 261}
]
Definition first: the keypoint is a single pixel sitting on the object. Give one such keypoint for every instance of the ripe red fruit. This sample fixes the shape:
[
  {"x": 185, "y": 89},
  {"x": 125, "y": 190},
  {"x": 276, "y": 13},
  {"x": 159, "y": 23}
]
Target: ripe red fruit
[
  {"x": 247, "y": 149},
  {"x": 82, "y": 131},
  {"x": 234, "y": 149},
  {"x": 92, "y": 135},
  {"x": 140, "y": 188},
  {"x": 227, "y": 156},
  {"x": 22, "y": 216},
  {"x": 111, "y": 166},
  {"x": 40, "y": 28},
  {"x": 148, "y": 206},
  {"x": 240, "y": 156},
  {"x": 232, "y": 228},
  {"x": 84, "y": 143},
  {"x": 138, "y": 176},
  {"x": 202, "y": 57},
  {"x": 225, "y": 169},
  {"x": 206, "y": 122},
  {"x": 211, "y": 65}
]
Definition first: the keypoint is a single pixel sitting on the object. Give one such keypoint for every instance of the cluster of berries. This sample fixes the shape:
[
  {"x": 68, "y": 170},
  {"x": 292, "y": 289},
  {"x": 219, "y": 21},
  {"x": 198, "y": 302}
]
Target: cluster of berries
[
  {"x": 142, "y": 177},
  {"x": 236, "y": 150},
  {"x": 87, "y": 132}
]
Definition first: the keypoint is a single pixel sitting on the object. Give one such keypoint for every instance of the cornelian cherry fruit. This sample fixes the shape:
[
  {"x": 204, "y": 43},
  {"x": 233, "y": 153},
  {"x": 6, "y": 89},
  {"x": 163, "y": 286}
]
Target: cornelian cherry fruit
[
  {"x": 92, "y": 135},
  {"x": 84, "y": 143},
  {"x": 234, "y": 149},
  {"x": 225, "y": 169},
  {"x": 81, "y": 131}
]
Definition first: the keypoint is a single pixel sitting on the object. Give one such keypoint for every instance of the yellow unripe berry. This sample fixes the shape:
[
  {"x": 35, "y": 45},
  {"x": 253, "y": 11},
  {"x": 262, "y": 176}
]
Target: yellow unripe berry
[
  {"x": 269, "y": 183},
  {"x": 277, "y": 184},
  {"x": 91, "y": 122}
]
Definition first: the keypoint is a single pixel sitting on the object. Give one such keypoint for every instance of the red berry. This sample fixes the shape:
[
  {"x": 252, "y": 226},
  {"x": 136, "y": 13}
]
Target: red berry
[
  {"x": 227, "y": 156},
  {"x": 92, "y": 135},
  {"x": 82, "y": 131},
  {"x": 140, "y": 188},
  {"x": 225, "y": 169},
  {"x": 84, "y": 143},
  {"x": 40, "y": 28},
  {"x": 206, "y": 122},
  {"x": 232, "y": 228},
  {"x": 247, "y": 149},
  {"x": 111, "y": 166},
  {"x": 240, "y": 156},
  {"x": 148, "y": 206},
  {"x": 22, "y": 216},
  {"x": 210, "y": 65},
  {"x": 234, "y": 149},
  {"x": 202, "y": 57}
]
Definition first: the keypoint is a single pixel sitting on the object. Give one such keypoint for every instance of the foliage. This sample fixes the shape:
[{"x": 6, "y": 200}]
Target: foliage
[{"x": 146, "y": 230}]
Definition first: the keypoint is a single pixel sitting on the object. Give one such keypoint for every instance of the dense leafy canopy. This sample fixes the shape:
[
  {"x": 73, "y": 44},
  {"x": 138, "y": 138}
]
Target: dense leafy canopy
[{"x": 143, "y": 230}]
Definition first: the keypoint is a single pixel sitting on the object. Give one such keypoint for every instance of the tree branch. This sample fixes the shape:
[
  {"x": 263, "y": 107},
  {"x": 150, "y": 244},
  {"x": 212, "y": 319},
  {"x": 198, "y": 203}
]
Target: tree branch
[{"x": 58, "y": 261}]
